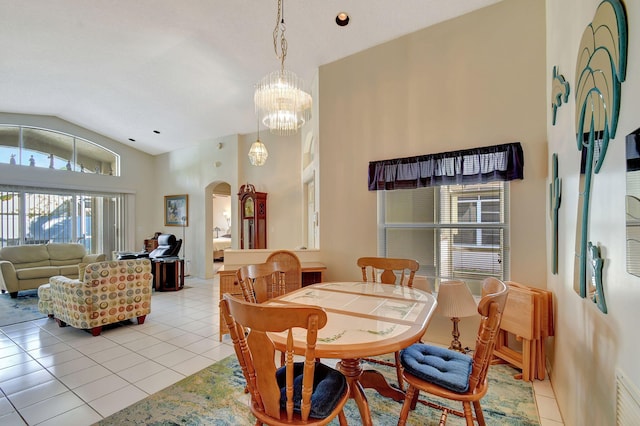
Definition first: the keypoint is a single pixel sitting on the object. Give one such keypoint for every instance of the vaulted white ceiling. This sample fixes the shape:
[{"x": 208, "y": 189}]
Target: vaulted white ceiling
[{"x": 124, "y": 68}]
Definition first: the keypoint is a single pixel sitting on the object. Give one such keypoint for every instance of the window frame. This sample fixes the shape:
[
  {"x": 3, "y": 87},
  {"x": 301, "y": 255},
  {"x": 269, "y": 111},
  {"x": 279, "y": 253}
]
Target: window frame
[{"x": 444, "y": 194}]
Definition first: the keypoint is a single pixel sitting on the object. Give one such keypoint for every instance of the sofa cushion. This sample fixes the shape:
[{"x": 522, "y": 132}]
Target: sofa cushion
[
  {"x": 27, "y": 256},
  {"x": 70, "y": 271},
  {"x": 66, "y": 254},
  {"x": 38, "y": 272}
]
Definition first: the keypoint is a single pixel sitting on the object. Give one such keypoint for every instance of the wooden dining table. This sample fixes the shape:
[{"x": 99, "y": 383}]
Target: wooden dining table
[{"x": 364, "y": 319}]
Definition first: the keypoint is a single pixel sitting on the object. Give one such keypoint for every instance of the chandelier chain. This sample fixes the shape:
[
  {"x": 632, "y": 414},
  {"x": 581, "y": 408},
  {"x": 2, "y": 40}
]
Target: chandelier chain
[{"x": 278, "y": 33}]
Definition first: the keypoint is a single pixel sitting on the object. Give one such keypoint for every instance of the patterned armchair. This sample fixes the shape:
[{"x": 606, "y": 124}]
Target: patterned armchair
[{"x": 107, "y": 293}]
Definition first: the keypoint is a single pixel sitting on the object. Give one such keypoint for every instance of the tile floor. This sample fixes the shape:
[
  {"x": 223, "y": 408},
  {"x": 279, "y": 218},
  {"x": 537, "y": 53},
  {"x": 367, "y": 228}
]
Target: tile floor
[{"x": 64, "y": 376}]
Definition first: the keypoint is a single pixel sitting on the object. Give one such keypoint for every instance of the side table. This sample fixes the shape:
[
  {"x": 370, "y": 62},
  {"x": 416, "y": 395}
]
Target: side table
[{"x": 168, "y": 273}]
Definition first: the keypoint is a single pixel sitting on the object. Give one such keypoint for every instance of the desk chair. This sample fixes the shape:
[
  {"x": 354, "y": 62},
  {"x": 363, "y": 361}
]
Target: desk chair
[
  {"x": 301, "y": 393},
  {"x": 168, "y": 246},
  {"x": 386, "y": 271},
  {"x": 450, "y": 374}
]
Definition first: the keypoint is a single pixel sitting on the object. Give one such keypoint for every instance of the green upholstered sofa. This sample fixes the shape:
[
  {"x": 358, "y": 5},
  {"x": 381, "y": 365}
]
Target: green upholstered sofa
[{"x": 27, "y": 267}]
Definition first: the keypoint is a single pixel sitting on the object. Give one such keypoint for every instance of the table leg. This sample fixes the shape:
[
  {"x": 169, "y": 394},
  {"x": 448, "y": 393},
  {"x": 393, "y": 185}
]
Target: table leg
[
  {"x": 373, "y": 379},
  {"x": 352, "y": 369}
]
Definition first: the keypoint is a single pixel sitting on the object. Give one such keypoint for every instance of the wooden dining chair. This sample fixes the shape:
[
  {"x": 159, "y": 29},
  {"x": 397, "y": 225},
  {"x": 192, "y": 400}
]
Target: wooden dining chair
[
  {"x": 262, "y": 281},
  {"x": 389, "y": 271},
  {"x": 290, "y": 263},
  {"x": 301, "y": 393},
  {"x": 450, "y": 374}
]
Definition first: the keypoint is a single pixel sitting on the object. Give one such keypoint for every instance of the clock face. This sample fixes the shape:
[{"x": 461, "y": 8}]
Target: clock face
[{"x": 248, "y": 207}]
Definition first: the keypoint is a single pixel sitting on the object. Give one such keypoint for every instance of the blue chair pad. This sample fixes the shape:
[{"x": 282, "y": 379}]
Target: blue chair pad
[
  {"x": 329, "y": 385},
  {"x": 443, "y": 367}
]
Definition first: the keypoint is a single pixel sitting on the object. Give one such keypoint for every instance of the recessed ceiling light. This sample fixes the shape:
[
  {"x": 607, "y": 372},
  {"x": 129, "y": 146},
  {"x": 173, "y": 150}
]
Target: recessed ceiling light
[{"x": 342, "y": 19}]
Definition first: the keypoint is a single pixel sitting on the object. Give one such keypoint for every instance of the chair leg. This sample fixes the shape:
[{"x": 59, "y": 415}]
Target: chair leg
[
  {"x": 406, "y": 405},
  {"x": 467, "y": 413},
  {"x": 141, "y": 319},
  {"x": 95, "y": 331},
  {"x": 443, "y": 417},
  {"x": 399, "y": 371},
  {"x": 414, "y": 400},
  {"x": 61, "y": 323},
  {"x": 342, "y": 418},
  {"x": 479, "y": 414}
]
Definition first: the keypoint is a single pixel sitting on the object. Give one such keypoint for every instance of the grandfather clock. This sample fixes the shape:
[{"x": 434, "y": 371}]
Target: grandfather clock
[{"x": 253, "y": 217}]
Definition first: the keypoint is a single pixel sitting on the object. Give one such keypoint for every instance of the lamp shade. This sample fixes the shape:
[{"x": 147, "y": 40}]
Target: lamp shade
[
  {"x": 455, "y": 300},
  {"x": 258, "y": 153}
]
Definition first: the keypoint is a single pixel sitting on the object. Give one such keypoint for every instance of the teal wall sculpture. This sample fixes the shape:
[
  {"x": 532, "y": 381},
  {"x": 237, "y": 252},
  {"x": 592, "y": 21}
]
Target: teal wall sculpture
[
  {"x": 559, "y": 93},
  {"x": 596, "y": 277},
  {"x": 555, "y": 195},
  {"x": 600, "y": 71}
]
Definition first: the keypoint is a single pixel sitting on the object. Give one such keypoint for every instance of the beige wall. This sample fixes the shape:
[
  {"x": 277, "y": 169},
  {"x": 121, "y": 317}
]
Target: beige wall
[
  {"x": 473, "y": 81},
  {"x": 590, "y": 346},
  {"x": 281, "y": 178},
  {"x": 196, "y": 170}
]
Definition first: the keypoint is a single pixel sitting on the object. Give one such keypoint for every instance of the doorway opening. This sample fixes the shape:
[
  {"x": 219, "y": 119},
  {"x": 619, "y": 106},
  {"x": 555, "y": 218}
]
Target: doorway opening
[{"x": 221, "y": 220}]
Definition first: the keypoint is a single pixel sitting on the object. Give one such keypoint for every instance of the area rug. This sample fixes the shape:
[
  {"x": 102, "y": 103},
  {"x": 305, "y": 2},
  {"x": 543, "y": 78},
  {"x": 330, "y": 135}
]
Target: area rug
[
  {"x": 21, "y": 309},
  {"x": 214, "y": 396}
]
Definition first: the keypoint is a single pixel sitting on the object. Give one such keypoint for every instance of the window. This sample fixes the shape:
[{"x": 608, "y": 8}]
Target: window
[
  {"x": 38, "y": 216},
  {"x": 453, "y": 231},
  {"x": 34, "y": 147}
]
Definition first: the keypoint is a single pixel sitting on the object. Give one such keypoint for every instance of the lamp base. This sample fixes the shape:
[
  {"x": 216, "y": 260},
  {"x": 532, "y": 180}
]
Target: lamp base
[{"x": 455, "y": 343}]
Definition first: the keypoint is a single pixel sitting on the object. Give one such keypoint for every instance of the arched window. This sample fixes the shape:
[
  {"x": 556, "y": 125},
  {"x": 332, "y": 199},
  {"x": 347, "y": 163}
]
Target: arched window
[{"x": 37, "y": 147}]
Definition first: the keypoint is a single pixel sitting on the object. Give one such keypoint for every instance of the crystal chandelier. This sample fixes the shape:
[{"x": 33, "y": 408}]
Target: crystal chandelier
[
  {"x": 258, "y": 152},
  {"x": 280, "y": 100}
]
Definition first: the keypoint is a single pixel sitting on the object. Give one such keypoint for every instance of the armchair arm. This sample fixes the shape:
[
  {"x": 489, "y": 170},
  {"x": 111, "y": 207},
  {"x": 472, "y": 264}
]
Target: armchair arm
[
  {"x": 70, "y": 303},
  {"x": 61, "y": 285},
  {"x": 8, "y": 276},
  {"x": 92, "y": 258}
]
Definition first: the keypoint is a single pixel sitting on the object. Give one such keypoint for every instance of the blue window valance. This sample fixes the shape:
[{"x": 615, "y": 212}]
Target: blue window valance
[{"x": 469, "y": 166}]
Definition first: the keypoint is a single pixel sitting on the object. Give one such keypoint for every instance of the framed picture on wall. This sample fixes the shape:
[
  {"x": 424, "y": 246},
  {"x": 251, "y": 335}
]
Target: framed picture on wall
[{"x": 176, "y": 210}]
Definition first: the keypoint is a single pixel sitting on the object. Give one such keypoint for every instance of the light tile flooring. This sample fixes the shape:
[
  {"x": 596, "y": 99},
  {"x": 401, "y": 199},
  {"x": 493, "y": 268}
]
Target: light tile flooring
[{"x": 64, "y": 376}]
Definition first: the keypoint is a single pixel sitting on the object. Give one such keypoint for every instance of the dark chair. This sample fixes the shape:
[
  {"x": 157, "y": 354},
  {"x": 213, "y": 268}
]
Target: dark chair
[
  {"x": 451, "y": 375},
  {"x": 168, "y": 246}
]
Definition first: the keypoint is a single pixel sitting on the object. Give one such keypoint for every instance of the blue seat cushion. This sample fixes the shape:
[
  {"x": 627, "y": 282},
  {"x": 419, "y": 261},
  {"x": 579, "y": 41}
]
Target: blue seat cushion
[
  {"x": 443, "y": 367},
  {"x": 329, "y": 385}
]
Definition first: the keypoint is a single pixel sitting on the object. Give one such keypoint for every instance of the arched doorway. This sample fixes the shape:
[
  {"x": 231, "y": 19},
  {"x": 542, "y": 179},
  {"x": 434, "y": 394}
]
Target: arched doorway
[{"x": 218, "y": 224}]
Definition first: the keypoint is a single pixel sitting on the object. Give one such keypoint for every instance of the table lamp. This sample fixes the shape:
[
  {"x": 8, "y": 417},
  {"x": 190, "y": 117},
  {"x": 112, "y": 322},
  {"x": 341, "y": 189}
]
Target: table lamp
[{"x": 455, "y": 301}]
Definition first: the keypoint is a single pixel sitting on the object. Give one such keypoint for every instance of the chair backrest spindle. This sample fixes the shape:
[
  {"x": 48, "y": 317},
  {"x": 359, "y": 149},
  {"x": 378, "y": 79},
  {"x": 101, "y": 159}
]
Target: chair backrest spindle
[{"x": 262, "y": 281}]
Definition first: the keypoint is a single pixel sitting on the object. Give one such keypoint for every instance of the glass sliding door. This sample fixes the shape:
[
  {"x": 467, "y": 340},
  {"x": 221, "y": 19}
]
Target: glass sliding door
[{"x": 39, "y": 217}]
